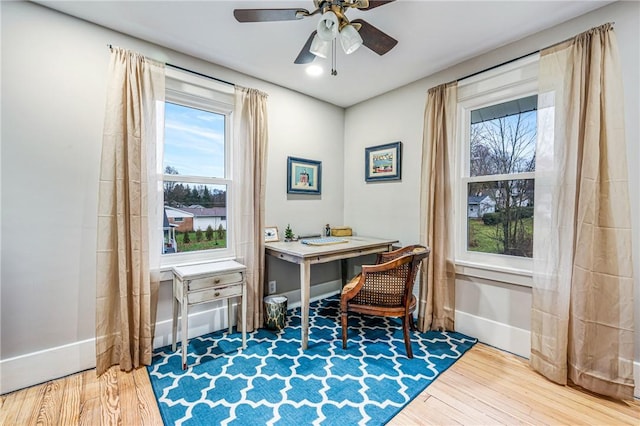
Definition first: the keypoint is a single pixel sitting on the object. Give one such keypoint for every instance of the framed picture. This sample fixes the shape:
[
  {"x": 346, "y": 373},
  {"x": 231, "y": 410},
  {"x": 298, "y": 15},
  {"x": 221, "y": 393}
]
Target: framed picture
[
  {"x": 303, "y": 176},
  {"x": 271, "y": 234},
  {"x": 383, "y": 162}
]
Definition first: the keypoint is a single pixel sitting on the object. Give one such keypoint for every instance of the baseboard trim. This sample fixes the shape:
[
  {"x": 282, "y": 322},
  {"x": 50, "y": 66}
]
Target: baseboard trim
[
  {"x": 41, "y": 366},
  {"x": 317, "y": 292},
  {"x": 201, "y": 322},
  {"x": 49, "y": 364},
  {"x": 502, "y": 336}
]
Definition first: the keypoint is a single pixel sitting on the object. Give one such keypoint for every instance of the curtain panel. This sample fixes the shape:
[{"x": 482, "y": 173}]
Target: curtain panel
[
  {"x": 249, "y": 183},
  {"x": 436, "y": 310},
  {"x": 128, "y": 246},
  {"x": 582, "y": 297}
]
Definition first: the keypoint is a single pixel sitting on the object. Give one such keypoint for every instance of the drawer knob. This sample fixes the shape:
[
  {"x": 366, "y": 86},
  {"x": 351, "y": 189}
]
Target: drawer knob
[
  {"x": 217, "y": 281},
  {"x": 217, "y": 293}
]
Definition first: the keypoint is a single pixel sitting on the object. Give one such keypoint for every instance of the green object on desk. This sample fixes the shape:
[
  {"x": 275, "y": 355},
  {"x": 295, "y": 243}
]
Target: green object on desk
[{"x": 288, "y": 233}]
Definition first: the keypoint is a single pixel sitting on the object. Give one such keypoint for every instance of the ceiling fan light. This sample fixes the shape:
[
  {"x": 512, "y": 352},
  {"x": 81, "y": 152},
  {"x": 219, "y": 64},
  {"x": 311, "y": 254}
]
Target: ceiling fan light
[
  {"x": 328, "y": 26},
  {"x": 320, "y": 47},
  {"x": 350, "y": 39},
  {"x": 314, "y": 70}
]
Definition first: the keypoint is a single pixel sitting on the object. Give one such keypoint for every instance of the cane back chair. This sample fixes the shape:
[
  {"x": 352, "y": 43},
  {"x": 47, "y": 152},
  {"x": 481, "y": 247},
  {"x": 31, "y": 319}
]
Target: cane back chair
[{"x": 385, "y": 289}]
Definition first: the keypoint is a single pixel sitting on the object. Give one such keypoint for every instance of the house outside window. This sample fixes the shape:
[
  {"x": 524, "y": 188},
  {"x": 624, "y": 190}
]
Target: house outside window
[
  {"x": 195, "y": 160},
  {"x": 496, "y": 143}
]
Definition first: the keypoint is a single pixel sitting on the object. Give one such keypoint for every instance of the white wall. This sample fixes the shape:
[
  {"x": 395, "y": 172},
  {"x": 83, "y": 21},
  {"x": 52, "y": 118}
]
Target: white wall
[
  {"x": 54, "y": 70},
  {"x": 497, "y": 313}
]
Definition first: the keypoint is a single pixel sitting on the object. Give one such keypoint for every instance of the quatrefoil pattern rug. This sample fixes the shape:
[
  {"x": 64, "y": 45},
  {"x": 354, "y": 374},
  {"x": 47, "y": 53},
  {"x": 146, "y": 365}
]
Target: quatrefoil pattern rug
[{"x": 274, "y": 382}]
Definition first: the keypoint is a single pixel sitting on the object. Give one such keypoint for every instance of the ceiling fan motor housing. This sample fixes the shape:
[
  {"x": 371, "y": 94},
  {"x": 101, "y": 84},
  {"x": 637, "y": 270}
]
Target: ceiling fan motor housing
[{"x": 360, "y": 4}]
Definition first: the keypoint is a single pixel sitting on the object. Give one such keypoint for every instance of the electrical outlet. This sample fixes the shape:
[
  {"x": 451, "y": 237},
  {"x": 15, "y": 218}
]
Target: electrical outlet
[{"x": 272, "y": 287}]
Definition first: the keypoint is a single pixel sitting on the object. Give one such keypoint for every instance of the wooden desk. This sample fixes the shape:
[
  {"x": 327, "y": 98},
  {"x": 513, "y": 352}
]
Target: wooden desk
[
  {"x": 307, "y": 255},
  {"x": 202, "y": 283}
]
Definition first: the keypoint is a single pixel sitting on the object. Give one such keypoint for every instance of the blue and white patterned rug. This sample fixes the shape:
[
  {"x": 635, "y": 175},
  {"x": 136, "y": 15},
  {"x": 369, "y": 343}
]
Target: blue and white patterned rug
[{"x": 274, "y": 382}]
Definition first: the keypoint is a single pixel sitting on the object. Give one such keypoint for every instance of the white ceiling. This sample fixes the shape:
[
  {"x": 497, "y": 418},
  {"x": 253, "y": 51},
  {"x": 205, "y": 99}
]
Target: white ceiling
[{"x": 432, "y": 35}]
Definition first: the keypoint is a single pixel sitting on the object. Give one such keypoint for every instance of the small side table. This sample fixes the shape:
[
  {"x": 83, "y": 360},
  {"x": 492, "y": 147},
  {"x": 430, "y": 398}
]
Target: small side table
[{"x": 207, "y": 282}]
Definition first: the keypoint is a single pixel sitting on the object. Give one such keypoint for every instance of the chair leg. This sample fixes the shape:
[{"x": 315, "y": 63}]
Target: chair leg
[
  {"x": 405, "y": 331},
  {"x": 344, "y": 329}
]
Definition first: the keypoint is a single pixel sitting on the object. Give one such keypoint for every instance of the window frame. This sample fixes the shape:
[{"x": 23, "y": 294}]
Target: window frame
[
  {"x": 515, "y": 80},
  {"x": 189, "y": 90}
]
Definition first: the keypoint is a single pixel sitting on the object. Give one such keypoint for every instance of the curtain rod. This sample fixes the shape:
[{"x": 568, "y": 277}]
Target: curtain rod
[
  {"x": 200, "y": 74},
  {"x": 528, "y": 54},
  {"x": 496, "y": 66},
  {"x": 191, "y": 71}
]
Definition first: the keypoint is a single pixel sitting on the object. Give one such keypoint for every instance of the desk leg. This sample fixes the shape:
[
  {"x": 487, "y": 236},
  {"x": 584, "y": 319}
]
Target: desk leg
[
  {"x": 185, "y": 331},
  {"x": 174, "y": 324},
  {"x": 244, "y": 316},
  {"x": 305, "y": 285},
  {"x": 230, "y": 315},
  {"x": 344, "y": 271}
]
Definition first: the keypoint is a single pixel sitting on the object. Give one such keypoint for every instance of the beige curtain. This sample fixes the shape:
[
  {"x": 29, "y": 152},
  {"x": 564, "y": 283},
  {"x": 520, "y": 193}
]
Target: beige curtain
[
  {"x": 251, "y": 134},
  {"x": 128, "y": 248},
  {"x": 582, "y": 313},
  {"x": 437, "y": 277}
]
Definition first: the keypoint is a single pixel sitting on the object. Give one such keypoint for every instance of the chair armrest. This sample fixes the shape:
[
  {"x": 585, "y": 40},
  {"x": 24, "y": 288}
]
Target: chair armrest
[
  {"x": 352, "y": 288},
  {"x": 394, "y": 254}
]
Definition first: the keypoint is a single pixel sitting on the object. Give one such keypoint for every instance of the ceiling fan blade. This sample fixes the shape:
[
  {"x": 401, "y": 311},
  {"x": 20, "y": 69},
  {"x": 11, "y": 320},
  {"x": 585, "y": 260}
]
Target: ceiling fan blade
[
  {"x": 375, "y": 3},
  {"x": 268, "y": 15},
  {"x": 305, "y": 56},
  {"x": 375, "y": 39}
]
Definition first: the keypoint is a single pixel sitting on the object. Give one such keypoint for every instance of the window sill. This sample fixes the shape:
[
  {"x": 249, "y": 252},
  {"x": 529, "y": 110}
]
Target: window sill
[{"x": 501, "y": 274}]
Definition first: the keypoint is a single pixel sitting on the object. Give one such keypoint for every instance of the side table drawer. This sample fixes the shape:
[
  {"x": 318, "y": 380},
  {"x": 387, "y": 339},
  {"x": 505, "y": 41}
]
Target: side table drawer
[
  {"x": 215, "y": 281},
  {"x": 214, "y": 293}
]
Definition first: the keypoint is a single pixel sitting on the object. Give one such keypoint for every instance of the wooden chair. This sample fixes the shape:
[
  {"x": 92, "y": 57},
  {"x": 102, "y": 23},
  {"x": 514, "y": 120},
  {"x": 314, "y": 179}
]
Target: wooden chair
[{"x": 385, "y": 289}]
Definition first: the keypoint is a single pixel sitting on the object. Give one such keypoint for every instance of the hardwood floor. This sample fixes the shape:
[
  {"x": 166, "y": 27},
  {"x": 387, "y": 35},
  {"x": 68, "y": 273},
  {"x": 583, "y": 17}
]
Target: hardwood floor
[
  {"x": 485, "y": 387},
  {"x": 490, "y": 387},
  {"x": 116, "y": 398}
]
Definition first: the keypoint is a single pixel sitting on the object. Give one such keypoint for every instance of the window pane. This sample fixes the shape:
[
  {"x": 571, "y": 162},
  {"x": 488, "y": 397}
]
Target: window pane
[
  {"x": 193, "y": 142},
  {"x": 195, "y": 217},
  {"x": 500, "y": 217},
  {"x": 503, "y": 138}
]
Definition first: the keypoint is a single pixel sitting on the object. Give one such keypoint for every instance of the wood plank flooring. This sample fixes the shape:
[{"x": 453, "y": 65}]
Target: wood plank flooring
[
  {"x": 491, "y": 387},
  {"x": 485, "y": 387}
]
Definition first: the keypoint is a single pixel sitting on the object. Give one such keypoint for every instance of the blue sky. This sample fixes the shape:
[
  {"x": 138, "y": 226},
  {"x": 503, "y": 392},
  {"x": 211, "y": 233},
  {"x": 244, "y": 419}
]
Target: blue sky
[
  {"x": 519, "y": 153},
  {"x": 193, "y": 141}
]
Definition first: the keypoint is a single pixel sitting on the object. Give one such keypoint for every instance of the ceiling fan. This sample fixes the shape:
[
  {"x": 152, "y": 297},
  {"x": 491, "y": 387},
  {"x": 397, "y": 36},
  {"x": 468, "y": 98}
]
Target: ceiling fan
[{"x": 333, "y": 25}]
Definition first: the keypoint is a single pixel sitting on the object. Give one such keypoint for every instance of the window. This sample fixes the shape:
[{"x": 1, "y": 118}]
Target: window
[
  {"x": 497, "y": 122},
  {"x": 196, "y": 180}
]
